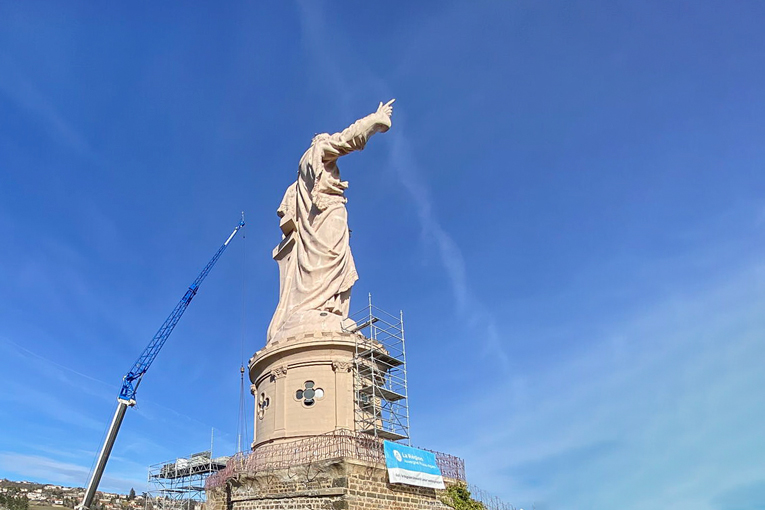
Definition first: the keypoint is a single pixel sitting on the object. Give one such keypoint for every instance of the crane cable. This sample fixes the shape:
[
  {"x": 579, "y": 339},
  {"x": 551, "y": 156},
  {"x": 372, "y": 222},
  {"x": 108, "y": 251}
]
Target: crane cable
[{"x": 242, "y": 418}]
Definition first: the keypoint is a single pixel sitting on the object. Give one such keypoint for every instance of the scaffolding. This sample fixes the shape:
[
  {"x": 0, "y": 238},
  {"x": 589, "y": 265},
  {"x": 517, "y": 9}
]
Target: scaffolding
[
  {"x": 380, "y": 387},
  {"x": 180, "y": 484}
]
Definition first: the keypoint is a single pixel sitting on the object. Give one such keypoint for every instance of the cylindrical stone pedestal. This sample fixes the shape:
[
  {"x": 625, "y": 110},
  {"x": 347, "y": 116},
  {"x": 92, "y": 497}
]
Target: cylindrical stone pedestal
[{"x": 303, "y": 386}]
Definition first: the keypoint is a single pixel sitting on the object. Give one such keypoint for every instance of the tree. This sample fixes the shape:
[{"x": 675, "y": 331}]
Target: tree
[
  {"x": 131, "y": 496},
  {"x": 458, "y": 497},
  {"x": 12, "y": 500}
]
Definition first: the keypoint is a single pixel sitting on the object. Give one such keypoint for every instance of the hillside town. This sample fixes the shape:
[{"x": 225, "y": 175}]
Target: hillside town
[{"x": 26, "y": 495}]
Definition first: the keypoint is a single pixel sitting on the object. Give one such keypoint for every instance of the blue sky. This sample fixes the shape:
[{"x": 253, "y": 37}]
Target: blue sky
[{"x": 569, "y": 209}]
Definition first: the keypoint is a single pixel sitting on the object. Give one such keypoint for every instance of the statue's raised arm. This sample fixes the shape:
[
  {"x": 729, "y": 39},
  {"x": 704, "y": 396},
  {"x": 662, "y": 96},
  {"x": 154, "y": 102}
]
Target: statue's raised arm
[
  {"x": 355, "y": 136},
  {"x": 316, "y": 267}
]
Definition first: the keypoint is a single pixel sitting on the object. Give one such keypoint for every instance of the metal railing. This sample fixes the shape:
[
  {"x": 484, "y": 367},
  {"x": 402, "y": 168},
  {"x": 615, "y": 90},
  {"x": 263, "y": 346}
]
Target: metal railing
[
  {"x": 338, "y": 444},
  {"x": 488, "y": 500}
]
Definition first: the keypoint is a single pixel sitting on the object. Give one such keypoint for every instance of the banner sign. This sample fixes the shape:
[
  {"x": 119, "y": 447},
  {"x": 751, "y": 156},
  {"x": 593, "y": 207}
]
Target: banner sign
[{"x": 412, "y": 466}]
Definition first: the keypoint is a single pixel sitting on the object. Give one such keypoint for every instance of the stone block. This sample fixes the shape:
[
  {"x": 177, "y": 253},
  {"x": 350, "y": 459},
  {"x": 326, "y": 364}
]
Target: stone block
[{"x": 335, "y": 484}]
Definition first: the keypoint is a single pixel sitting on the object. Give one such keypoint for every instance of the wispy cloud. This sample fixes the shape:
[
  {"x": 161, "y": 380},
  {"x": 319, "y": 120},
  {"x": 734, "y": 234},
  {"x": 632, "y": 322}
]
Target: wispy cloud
[
  {"x": 36, "y": 467},
  {"x": 20, "y": 350},
  {"x": 49, "y": 404},
  {"x": 639, "y": 419},
  {"x": 467, "y": 304},
  {"x": 28, "y": 396},
  {"x": 57, "y": 452},
  {"x": 403, "y": 160},
  {"x": 324, "y": 65},
  {"x": 33, "y": 392},
  {"x": 15, "y": 85}
]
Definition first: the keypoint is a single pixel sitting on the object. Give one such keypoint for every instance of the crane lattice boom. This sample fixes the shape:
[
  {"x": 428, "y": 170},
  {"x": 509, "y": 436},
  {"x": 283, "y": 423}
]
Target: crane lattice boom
[{"x": 133, "y": 378}]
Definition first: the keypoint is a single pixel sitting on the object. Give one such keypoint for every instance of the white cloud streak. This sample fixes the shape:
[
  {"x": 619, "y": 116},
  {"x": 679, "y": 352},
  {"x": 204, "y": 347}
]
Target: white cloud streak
[
  {"x": 324, "y": 65},
  {"x": 662, "y": 412},
  {"x": 467, "y": 304},
  {"x": 59, "y": 366},
  {"x": 475, "y": 313},
  {"x": 37, "y": 467},
  {"x": 42, "y": 402},
  {"x": 23, "y": 92}
]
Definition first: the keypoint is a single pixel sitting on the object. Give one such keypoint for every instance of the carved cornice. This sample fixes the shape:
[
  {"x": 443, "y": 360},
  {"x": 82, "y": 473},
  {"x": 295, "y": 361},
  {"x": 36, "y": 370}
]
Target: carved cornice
[{"x": 253, "y": 389}]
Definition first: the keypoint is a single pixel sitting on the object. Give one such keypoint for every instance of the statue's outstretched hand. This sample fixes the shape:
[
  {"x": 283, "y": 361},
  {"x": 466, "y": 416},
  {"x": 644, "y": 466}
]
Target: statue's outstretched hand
[{"x": 384, "y": 111}]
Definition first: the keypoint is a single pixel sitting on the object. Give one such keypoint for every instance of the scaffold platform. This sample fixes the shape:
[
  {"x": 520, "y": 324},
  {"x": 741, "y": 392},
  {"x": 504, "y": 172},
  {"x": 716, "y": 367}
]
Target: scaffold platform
[
  {"x": 180, "y": 484},
  {"x": 380, "y": 383}
]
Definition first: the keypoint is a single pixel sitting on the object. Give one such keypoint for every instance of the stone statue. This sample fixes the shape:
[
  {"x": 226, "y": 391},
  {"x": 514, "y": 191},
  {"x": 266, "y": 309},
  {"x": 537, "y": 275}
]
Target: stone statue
[{"x": 316, "y": 268}]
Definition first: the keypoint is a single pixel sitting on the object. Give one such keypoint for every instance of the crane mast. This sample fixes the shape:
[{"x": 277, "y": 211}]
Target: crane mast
[{"x": 132, "y": 379}]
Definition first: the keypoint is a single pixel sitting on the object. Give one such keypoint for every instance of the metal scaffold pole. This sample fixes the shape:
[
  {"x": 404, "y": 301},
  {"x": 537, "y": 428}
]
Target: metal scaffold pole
[{"x": 380, "y": 382}]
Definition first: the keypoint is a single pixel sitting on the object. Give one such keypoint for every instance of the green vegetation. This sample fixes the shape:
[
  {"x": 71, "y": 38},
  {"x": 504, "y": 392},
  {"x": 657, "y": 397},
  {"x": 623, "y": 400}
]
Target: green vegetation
[
  {"x": 458, "y": 497},
  {"x": 14, "y": 500},
  {"x": 33, "y": 506}
]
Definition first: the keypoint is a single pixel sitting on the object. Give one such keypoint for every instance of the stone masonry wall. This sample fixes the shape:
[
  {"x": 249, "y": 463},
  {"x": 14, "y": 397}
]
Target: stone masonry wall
[{"x": 337, "y": 484}]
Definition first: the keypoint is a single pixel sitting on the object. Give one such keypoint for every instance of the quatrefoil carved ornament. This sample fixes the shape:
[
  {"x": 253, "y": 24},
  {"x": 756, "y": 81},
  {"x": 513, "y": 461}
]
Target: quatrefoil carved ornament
[
  {"x": 309, "y": 394},
  {"x": 263, "y": 402}
]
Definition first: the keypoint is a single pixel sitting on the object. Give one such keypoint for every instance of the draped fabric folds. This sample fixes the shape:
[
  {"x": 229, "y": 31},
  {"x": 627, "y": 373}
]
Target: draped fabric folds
[{"x": 316, "y": 266}]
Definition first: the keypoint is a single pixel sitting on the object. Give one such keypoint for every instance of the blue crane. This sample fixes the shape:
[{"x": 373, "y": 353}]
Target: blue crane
[{"x": 132, "y": 379}]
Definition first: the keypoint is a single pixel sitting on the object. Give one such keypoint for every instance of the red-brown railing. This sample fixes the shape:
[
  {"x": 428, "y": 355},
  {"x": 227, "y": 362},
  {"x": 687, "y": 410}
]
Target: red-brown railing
[{"x": 316, "y": 448}]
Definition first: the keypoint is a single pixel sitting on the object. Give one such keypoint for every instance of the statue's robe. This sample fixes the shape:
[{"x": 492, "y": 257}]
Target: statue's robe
[{"x": 315, "y": 261}]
